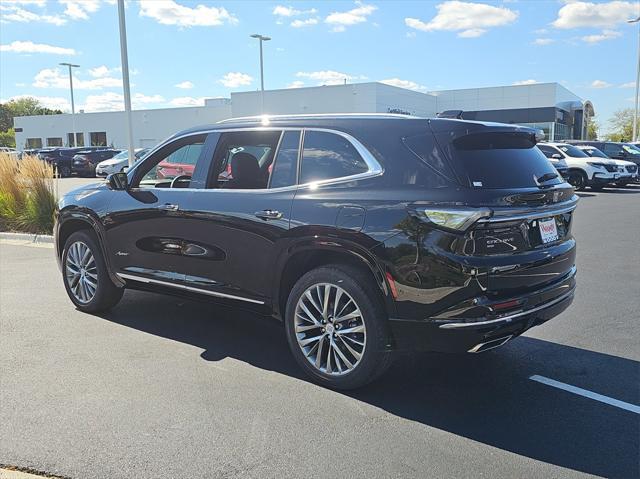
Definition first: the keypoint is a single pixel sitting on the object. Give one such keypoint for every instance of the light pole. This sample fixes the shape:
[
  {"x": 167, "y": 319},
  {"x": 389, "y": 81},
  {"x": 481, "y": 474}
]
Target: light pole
[
  {"x": 634, "y": 136},
  {"x": 124, "y": 58},
  {"x": 262, "y": 38},
  {"x": 73, "y": 106}
]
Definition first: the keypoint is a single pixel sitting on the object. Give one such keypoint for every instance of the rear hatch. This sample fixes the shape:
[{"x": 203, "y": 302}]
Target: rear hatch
[{"x": 523, "y": 239}]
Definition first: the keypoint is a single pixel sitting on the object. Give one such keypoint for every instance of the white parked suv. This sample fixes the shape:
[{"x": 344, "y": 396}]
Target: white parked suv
[
  {"x": 119, "y": 162},
  {"x": 628, "y": 169},
  {"x": 583, "y": 170}
]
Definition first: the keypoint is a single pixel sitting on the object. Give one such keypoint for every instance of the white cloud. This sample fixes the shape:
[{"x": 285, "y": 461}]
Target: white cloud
[
  {"x": 630, "y": 84},
  {"x": 340, "y": 20},
  {"x": 55, "y": 78},
  {"x": 543, "y": 41},
  {"x": 605, "y": 35},
  {"x": 296, "y": 84},
  {"x": 281, "y": 11},
  {"x": 408, "y": 84},
  {"x": 30, "y": 47},
  {"x": 587, "y": 14},
  {"x": 101, "y": 71},
  {"x": 111, "y": 101},
  {"x": 236, "y": 79},
  {"x": 185, "y": 85},
  {"x": 169, "y": 12},
  {"x": 525, "y": 82},
  {"x": 600, "y": 84},
  {"x": 329, "y": 77},
  {"x": 13, "y": 13},
  {"x": 187, "y": 101},
  {"x": 304, "y": 23},
  {"x": 470, "y": 19},
  {"x": 80, "y": 9},
  {"x": 53, "y": 102},
  {"x": 472, "y": 33}
]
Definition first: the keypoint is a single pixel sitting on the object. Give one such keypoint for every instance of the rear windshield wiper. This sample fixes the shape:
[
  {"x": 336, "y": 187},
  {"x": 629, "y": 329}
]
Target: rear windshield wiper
[{"x": 546, "y": 177}]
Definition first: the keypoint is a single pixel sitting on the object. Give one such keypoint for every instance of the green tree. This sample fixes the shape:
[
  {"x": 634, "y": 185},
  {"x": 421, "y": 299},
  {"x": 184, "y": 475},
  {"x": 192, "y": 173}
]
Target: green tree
[
  {"x": 621, "y": 125},
  {"x": 8, "y": 138},
  {"x": 592, "y": 129}
]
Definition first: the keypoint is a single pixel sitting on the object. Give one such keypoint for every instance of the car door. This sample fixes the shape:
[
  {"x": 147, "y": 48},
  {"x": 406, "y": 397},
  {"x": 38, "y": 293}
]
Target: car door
[
  {"x": 150, "y": 227},
  {"x": 243, "y": 227}
]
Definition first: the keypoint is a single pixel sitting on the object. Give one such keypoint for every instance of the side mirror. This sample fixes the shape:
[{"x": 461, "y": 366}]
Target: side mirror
[
  {"x": 556, "y": 156},
  {"x": 118, "y": 181}
]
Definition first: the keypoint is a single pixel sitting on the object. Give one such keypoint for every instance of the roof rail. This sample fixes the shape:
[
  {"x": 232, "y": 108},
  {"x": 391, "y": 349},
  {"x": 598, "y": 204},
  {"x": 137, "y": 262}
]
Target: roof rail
[{"x": 361, "y": 116}]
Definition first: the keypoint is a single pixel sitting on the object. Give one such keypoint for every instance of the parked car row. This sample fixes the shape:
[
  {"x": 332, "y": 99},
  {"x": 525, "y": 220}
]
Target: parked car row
[{"x": 594, "y": 164}]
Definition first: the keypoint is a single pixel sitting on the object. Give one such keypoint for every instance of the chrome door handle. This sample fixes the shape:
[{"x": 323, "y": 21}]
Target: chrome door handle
[
  {"x": 268, "y": 214},
  {"x": 169, "y": 207}
]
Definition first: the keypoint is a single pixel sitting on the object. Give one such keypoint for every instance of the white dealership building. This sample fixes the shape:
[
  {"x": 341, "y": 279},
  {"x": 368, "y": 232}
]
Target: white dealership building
[{"x": 547, "y": 106}]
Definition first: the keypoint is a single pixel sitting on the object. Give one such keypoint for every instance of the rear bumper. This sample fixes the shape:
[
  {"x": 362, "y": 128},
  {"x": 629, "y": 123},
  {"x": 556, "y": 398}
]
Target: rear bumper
[
  {"x": 468, "y": 334},
  {"x": 88, "y": 170}
]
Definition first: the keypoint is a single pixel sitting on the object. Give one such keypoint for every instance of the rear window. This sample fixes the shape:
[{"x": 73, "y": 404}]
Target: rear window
[{"x": 501, "y": 160}]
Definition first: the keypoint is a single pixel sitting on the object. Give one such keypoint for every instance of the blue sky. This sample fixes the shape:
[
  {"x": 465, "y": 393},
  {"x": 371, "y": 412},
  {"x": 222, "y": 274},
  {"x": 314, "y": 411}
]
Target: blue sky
[{"x": 181, "y": 52}]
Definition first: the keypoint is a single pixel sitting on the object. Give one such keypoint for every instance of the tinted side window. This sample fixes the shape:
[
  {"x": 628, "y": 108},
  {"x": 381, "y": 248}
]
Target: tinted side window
[
  {"x": 286, "y": 162},
  {"x": 548, "y": 151},
  {"x": 327, "y": 155},
  {"x": 612, "y": 149}
]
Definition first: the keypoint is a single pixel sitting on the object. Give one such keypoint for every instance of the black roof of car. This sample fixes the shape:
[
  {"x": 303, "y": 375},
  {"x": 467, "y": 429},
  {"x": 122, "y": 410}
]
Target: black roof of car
[{"x": 348, "y": 121}]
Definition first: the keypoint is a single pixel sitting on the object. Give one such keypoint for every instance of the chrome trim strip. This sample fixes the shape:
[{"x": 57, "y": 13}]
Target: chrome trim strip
[
  {"x": 314, "y": 116},
  {"x": 499, "y": 341},
  {"x": 534, "y": 214},
  {"x": 188, "y": 288},
  {"x": 509, "y": 317},
  {"x": 375, "y": 169}
]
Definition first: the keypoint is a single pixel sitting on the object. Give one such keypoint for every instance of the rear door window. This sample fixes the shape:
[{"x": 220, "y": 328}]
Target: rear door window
[
  {"x": 327, "y": 156},
  {"x": 501, "y": 160},
  {"x": 548, "y": 151},
  {"x": 286, "y": 163}
]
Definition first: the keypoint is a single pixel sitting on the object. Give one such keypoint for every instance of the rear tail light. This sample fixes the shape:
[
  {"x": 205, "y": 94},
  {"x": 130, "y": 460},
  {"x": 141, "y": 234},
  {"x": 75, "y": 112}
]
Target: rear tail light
[{"x": 452, "y": 218}]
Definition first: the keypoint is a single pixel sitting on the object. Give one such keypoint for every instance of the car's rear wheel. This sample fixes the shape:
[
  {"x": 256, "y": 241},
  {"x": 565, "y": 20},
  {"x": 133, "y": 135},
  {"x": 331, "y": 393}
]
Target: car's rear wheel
[
  {"x": 577, "y": 179},
  {"x": 85, "y": 274},
  {"x": 336, "y": 327}
]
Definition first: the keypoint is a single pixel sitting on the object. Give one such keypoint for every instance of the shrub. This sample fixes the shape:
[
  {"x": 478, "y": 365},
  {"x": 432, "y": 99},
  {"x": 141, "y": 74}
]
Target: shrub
[{"x": 27, "y": 201}]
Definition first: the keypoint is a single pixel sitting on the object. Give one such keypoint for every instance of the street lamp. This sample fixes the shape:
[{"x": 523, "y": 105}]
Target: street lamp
[
  {"x": 634, "y": 136},
  {"x": 73, "y": 106},
  {"x": 262, "y": 38},
  {"x": 124, "y": 59}
]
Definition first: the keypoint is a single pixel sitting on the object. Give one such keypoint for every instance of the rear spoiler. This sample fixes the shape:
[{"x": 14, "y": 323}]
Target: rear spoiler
[{"x": 456, "y": 128}]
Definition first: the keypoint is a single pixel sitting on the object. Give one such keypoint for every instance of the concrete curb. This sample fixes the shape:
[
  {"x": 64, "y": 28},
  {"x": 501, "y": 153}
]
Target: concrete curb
[{"x": 33, "y": 238}]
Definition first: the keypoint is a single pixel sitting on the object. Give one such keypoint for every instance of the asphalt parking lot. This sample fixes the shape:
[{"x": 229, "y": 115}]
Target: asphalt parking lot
[
  {"x": 161, "y": 387},
  {"x": 65, "y": 185}
]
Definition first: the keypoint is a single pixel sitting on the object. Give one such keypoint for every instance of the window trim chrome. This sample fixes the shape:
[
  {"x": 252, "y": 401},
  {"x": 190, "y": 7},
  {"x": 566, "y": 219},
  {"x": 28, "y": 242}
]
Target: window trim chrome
[{"x": 374, "y": 167}]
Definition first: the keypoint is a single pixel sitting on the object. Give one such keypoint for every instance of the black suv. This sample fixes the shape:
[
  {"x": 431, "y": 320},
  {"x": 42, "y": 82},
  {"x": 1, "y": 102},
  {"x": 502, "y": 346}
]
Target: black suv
[
  {"x": 85, "y": 161},
  {"x": 364, "y": 234},
  {"x": 61, "y": 158}
]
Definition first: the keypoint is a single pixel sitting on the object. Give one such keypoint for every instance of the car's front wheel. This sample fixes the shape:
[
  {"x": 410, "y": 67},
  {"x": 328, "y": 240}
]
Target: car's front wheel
[
  {"x": 85, "y": 274},
  {"x": 577, "y": 179},
  {"x": 336, "y": 327}
]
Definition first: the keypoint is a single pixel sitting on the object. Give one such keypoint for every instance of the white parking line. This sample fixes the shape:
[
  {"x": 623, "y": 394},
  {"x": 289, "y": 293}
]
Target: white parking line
[{"x": 586, "y": 393}]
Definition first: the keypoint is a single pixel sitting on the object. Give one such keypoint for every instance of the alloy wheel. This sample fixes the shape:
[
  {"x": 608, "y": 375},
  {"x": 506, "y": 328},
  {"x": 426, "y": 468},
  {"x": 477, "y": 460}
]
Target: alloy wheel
[
  {"x": 330, "y": 329},
  {"x": 81, "y": 272},
  {"x": 576, "y": 180}
]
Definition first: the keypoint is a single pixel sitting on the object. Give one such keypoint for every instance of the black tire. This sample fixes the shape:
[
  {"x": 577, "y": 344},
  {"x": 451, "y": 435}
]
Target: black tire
[
  {"x": 597, "y": 187},
  {"x": 577, "y": 179},
  {"x": 64, "y": 171},
  {"x": 107, "y": 294},
  {"x": 376, "y": 357}
]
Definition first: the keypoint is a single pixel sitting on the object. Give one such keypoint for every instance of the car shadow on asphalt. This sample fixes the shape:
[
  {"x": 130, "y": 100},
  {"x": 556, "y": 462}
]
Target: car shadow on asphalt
[{"x": 487, "y": 398}]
